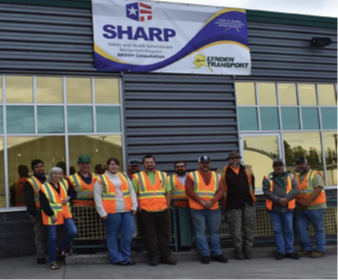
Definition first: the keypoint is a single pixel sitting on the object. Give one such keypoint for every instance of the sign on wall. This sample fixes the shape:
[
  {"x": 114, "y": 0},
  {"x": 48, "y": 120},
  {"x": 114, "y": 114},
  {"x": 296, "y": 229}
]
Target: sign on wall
[{"x": 132, "y": 36}]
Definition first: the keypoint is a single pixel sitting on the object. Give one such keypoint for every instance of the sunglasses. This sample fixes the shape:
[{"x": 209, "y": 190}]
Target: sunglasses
[
  {"x": 234, "y": 157},
  {"x": 278, "y": 165}
]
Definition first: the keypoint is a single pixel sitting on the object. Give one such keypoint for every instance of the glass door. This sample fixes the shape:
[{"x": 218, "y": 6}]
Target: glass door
[{"x": 259, "y": 152}]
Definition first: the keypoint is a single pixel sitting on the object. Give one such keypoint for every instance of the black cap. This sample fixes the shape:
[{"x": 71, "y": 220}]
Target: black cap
[
  {"x": 278, "y": 160},
  {"x": 301, "y": 159},
  {"x": 204, "y": 159},
  {"x": 134, "y": 161}
]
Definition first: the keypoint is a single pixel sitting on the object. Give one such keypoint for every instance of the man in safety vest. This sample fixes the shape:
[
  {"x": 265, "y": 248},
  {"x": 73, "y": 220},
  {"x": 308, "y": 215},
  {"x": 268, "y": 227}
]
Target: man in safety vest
[
  {"x": 154, "y": 201},
  {"x": 133, "y": 167},
  {"x": 204, "y": 189},
  {"x": 83, "y": 182},
  {"x": 176, "y": 183},
  {"x": 239, "y": 204},
  {"x": 280, "y": 190},
  {"x": 311, "y": 205},
  {"x": 31, "y": 188}
]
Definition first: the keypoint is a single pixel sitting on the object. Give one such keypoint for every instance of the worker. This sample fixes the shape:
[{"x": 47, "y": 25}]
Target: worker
[
  {"x": 176, "y": 183},
  {"x": 16, "y": 189},
  {"x": 133, "y": 167}
]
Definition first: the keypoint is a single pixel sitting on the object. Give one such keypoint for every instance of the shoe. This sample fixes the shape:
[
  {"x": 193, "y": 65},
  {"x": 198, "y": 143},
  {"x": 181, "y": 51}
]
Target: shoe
[
  {"x": 304, "y": 253},
  {"x": 153, "y": 262},
  {"x": 41, "y": 261},
  {"x": 123, "y": 263},
  {"x": 238, "y": 255},
  {"x": 292, "y": 255},
  {"x": 317, "y": 254},
  {"x": 131, "y": 262},
  {"x": 279, "y": 256},
  {"x": 247, "y": 254},
  {"x": 219, "y": 258},
  {"x": 205, "y": 259},
  {"x": 169, "y": 260}
]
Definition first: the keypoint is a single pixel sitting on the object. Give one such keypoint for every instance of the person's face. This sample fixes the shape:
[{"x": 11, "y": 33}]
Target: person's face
[
  {"x": 234, "y": 161},
  {"x": 301, "y": 167},
  {"x": 39, "y": 168},
  {"x": 149, "y": 164},
  {"x": 133, "y": 168},
  {"x": 204, "y": 166},
  {"x": 56, "y": 176},
  {"x": 113, "y": 167},
  {"x": 84, "y": 167},
  {"x": 180, "y": 168},
  {"x": 278, "y": 168}
]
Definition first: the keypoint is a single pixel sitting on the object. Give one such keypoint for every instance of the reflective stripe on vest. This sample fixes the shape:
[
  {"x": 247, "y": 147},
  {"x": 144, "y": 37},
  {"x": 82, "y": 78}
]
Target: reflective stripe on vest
[
  {"x": 55, "y": 203},
  {"x": 305, "y": 189},
  {"x": 36, "y": 184},
  {"x": 143, "y": 189},
  {"x": 178, "y": 190},
  {"x": 268, "y": 202},
  {"x": 77, "y": 182}
]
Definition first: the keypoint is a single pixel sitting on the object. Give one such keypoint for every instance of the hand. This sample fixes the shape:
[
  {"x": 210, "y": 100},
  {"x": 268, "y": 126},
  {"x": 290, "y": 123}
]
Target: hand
[
  {"x": 303, "y": 203},
  {"x": 139, "y": 209},
  {"x": 283, "y": 201},
  {"x": 133, "y": 212},
  {"x": 208, "y": 204},
  {"x": 203, "y": 203},
  {"x": 65, "y": 200},
  {"x": 105, "y": 217},
  {"x": 54, "y": 219}
]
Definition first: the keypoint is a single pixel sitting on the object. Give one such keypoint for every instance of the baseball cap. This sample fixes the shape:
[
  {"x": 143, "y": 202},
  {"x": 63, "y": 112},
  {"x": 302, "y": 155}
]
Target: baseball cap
[
  {"x": 134, "y": 161},
  {"x": 204, "y": 159},
  {"x": 278, "y": 160},
  {"x": 301, "y": 159}
]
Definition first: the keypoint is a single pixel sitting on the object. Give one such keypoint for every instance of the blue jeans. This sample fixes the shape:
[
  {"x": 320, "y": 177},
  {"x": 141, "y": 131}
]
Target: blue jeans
[
  {"x": 283, "y": 223},
  {"x": 315, "y": 217},
  {"x": 212, "y": 219},
  {"x": 123, "y": 223},
  {"x": 65, "y": 241}
]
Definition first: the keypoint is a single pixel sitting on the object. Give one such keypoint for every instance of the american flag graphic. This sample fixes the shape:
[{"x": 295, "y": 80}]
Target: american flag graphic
[{"x": 139, "y": 11}]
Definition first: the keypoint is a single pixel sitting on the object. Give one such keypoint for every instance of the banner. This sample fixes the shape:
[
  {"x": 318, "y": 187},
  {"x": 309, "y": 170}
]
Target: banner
[{"x": 131, "y": 36}]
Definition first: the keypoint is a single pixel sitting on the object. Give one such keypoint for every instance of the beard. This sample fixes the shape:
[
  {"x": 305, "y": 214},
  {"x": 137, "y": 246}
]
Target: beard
[
  {"x": 181, "y": 172},
  {"x": 302, "y": 170}
]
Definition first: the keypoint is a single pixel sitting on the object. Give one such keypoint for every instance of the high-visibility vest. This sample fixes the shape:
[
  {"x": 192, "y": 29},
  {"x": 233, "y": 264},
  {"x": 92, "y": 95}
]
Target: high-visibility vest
[
  {"x": 83, "y": 190},
  {"x": 151, "y": 196},
  {"x": 61, "y": 212},
  {"x": 249, "y": 173},
  {"x": 205, "y": 192},
  {"x": 18, "y": 189},
  {"x": 36, "y": 185},
  {"x": 268, "y": 202},
  {"x": 178, "y": 191},
  {"x": 109, "y": 192},
  {"x": 305, "y": 189}
]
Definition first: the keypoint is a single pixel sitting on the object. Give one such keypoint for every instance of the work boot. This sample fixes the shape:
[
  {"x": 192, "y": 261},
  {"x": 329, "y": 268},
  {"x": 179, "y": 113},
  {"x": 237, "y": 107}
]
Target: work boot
[
  {"x": 292, "y": 255},
  {"x": 153, "y": 262},
  {"x": 317, "y": 254},
  {"x": 304, "y": 253},
  {"x": 205, "y": 259},
  {"x": 279, "y": 256},
  {"x": 41, "y": 261},
  {"x": 247, "y": 254},
  {"x": 169, "y": 260},
  {"x": 219, "y": 258},
  {"x": 238, "y": 255}
]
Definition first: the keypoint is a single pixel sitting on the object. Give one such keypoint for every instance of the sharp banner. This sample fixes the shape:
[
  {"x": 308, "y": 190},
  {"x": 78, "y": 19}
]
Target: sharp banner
[{"x": 131, "y": 36}]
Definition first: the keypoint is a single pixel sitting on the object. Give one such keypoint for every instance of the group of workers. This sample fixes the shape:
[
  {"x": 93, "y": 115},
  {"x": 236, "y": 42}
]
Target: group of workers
[{"x": 119, "y": 196}]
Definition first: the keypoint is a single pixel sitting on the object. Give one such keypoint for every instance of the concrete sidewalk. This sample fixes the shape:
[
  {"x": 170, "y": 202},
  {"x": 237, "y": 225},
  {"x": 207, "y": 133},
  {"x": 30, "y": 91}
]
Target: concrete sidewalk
[{"x": 257, "y": 268}]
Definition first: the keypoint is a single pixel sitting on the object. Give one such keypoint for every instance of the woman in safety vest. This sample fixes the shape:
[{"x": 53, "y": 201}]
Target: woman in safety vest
[
  {"x": 55, "y": 195},
  {"x": 116, "y": 203}
]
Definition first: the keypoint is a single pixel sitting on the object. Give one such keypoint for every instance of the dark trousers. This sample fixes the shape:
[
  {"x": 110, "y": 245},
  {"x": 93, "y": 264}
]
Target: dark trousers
[{"x": 156, "y": 233}]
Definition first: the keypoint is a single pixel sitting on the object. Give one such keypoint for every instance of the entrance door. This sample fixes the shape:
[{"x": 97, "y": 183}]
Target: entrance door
[{"x": 259, "y": 152}]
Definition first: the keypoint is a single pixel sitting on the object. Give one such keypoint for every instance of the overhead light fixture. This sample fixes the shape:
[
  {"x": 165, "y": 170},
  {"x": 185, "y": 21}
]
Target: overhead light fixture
[{"x": 320, "y": 41}]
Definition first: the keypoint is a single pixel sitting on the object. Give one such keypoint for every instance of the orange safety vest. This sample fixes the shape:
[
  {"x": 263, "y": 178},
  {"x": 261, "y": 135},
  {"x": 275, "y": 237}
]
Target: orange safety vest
[
  {"x": 249, "y": 173},
  {"x": 268, "y": 202},
  {"x": 55, "y": 202},
  {"x": 178, "y": 191},
  {"x": 18, "y": 189},
  {"x": 109, "y": 192},
  {"x": 83, "y": 190},
  {"x": 205, "y": 192},
  {"x": 36, "y": 185},
  {"x": 152, "y": 197},
  {"x": 305, "y": 189}
]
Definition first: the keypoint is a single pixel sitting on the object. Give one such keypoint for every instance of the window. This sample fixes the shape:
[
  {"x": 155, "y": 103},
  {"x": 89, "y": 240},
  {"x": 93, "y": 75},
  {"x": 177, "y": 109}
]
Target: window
[{"x": 56, "y": 119}]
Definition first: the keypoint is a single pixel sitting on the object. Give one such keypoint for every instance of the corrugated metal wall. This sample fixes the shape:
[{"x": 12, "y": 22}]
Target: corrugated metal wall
[
  {"x": 283, "y": 52},
  {"x": 171, "y": 116}
]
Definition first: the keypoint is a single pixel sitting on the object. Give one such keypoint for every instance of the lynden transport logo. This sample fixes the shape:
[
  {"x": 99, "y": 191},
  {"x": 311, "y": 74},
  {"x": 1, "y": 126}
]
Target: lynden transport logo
[
  {"x": 139, "y": 11},
  {"x": 201, "y": 60}
]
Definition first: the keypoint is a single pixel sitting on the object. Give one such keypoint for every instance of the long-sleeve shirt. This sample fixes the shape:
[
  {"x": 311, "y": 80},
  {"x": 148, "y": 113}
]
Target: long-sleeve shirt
[
  {"x": 189, "y": 188},
  {"x": 120, "y": 204},
  {"x": 45, "y": 203},
  {"x": 29, "y": 195}
]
